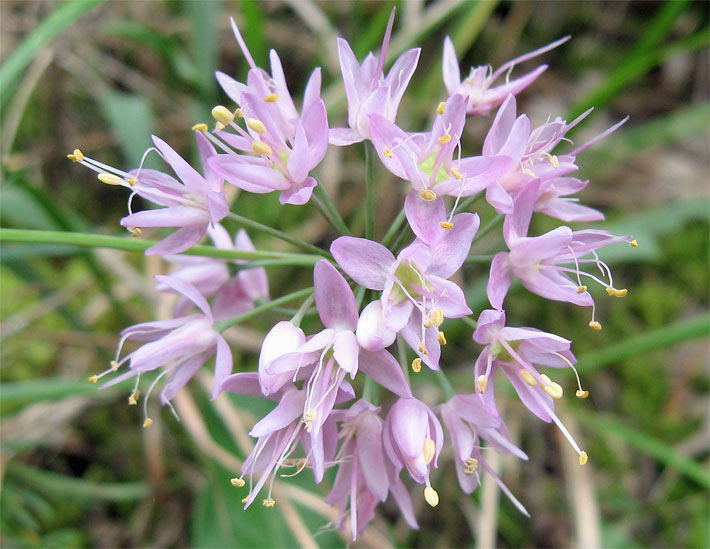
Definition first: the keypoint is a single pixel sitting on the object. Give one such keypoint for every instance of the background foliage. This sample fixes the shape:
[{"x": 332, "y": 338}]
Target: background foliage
[{"x": 76, "y": 468}]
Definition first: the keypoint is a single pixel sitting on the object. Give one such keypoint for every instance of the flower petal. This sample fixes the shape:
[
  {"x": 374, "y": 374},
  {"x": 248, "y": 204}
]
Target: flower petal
[
  {"x": 365, "y": 261},
  {"x": 334, "y": 298}
]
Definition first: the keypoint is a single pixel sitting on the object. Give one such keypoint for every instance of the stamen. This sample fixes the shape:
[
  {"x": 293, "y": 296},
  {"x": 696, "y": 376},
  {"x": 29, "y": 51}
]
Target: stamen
[
  {"x": 581, "y": 289},
  {"x": 427, "y": 194},
  {"x": 583, "y": 457},
  {"x": 436, "y": 316},
  {"x": 444, "y": 138},
  {"x": 581, "y": 393},
  {"x": 387, "y": 152},
  {"x": 271, "y": 98},
  {"x": 441, "y": 338},
  {"x": 238, "y": 113},
  {"x": 110, "y": 179},
  {"x": 76, "y": 156},
  {"x": 426, "y": 323},
  {"x": 133, "y": 397},
  {"x": 422, "y": 349},
  {"x": 456, "y": 173},
  {"x": 527, "y": 377},
  {"x": 428, "y": 450},
  {"x": 431, "y": 496},
  {"x": 261, "y": 148},
  {"x": 256, "y": 125},
  {"x": 268, "y": 503},
  {"x": 201, "y": 127},
  {"x": 446, "y": 225},
  {"x": 222, "y": 115},
  {"x": 633, "y": 243},
  {"x": 147, "y": 423},
  {"x": 93, "y": 379},
  {"x": 237, "y": 482},
  {"x": 554, "y": 390},
  {"x": 417, "y": 365},
  {"x": 135, "y": 231},
  {"x": 594, "y": 325},
  {"x": 553, "y": 159},
  {"x": 528, "y": 171},
  {"x": 218, "y": 127},
  {"x": 481, "y": 384},
  {"x": 440, "y": 108},
  {"x": 470, "y": 466}
]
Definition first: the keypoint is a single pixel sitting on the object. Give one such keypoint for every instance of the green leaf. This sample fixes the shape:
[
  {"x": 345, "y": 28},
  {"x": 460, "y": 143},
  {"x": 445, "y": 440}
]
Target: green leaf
[
  {"x": 647, "y": 444},
  {"x": 56, "y": 22},
  {"x": 48, "y": 388}
]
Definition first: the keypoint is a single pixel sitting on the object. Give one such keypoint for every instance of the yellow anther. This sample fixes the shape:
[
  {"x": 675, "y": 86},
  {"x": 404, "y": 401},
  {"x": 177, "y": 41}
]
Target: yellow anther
[
  {"x": 427, "y": 323},
  {"x": 428, "y": 450},
  {"x": 528, "y": 171},
  {"x": 201, "y": 127},
  {"x": 238, "y": 113},
  {"x": 218, "y": 127},
  {"x": 147, "y": 423},
  {"x": 135, "y": 231},
  {"x": 244, "y": 500},
  {"x": 259, "y": 147},
  {"x": 222, "y": 115},
  {"x": 310, "y": 415},
  {"x": 446, "y": 225},
  {"x": 527, "y": 377},
  {"x": 610, "y": 291},
  {"x": 133, "y": 398},
  {"x": 268, "y": 503},
  {"x": 436, "y": 316},
  {"x": 422, "y": 349},
  {"x": 114, "y": 365},
  {"x": 594, "y": 325},
  {"x": 444, "y": 138},
  {"x": 470, "y": 466},
  {"x": 581, "y": 393},
  {"x": 441, "y": 338},
  {"x": 634, "y": 244},
  {"x": 553, "y": 160},
  {"x": 440, "y": 108},
  {"x": 387, "y": 152},
  {"x": 76, "y": 156},
  {"x": 554, "y": 390},
  {"x": 132, "y": 181},
  {"x": 237, "y": 482},
  {"x": 583, "y": 457},
  {"x": 93, "y": 379},
  {"x": 546, "y": 380},
  {"x": 481, "y": 383},
  {"x": 427, "y": 194},
  {"x": 430, "y": 496},
  {"x": 271, "y": 98},
  {"x": 417, "y": 365},
  {"x": 621, "y": 293},
  {"x": 256, "y": 125},
  {"x": 581, "y": 289},
  {"x": 456, "y": 173},
  {"x": 110, "y": 179}
]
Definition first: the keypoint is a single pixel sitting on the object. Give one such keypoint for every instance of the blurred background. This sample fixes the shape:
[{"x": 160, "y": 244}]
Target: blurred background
[{"x": 76, "y": 468}]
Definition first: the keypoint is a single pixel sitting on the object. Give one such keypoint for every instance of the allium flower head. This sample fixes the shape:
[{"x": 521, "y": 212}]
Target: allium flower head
[
  {"x": 368, "y": 90},
  {"x": 476, "y": 87}
]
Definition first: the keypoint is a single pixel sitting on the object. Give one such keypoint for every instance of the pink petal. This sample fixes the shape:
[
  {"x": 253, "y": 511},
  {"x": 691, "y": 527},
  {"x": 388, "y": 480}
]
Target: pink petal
[
  {"x": 450, "y": 67},
  {"x": 174, "y": 216},
  {"x": 181, "y": 240},
  {"x": 334, "y": 298},
  {"x": 345, "y": 351},
  {"x": 365, "y": 261},
  {"x": 384, "y": 369},
  {"x": 499, "y": 280},
  {"x": 188, "y": 290},
  {"x": 222, "y": 365}
]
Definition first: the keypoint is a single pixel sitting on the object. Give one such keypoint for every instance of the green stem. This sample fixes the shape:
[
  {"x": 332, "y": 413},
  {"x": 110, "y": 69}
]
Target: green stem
[
  {"x": 369, "y": 191},
  {"x": 370, "y": 392},
  {"x": 488, "y": 227},
  {"x": 404, "y": 235},
  {"x": 479, "y": 259},
  {"x": 402, "y": 355},
  {"x": 246, "y": 222},
  {"x": 327, "y": 208},
  {"x": 298, "y": 317},
  {"x": 224, "y": 324},
  {"x": 467, "y": 202},
  {"x": 446, "y": 386},
  {"x": 394, "y": 227},
  {"x": 87, "y": 240}
]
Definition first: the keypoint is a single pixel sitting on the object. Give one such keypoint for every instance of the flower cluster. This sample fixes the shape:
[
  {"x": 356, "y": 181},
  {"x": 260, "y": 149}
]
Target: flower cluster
[{"x": 378, "y": 445}]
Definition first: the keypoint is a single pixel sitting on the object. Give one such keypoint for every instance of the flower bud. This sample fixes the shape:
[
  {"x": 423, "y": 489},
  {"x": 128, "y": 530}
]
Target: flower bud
[{"x": 371, "y": 332}]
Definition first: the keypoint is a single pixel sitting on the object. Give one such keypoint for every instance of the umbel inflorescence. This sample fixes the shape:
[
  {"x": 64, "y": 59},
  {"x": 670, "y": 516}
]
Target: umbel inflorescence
[{"x": 263, "y": 143}]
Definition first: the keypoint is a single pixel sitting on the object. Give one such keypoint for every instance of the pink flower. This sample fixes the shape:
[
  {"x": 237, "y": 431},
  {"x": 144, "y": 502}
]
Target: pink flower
[
  {"x": 193, "y": 203},
  {"x": 481, "y": 97},
  {"x": 283, "y": 147},
  {"x": 365, "y": 476},
  {"x": 368, "y": 90},
  {"x": 516, "y": 351},
  {"x": 468, "y": 421},
  {"x": 544, "y": 263},
  {"x": 179, "y": 346}
]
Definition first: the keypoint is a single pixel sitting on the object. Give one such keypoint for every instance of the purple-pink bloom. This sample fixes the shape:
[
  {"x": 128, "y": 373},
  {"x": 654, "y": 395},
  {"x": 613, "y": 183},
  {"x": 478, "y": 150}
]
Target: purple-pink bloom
[
  {"x": 481, "y": 97},
  {"x": 365, "y": 476},
  {"x": 283, "y": 147},
  {"x": 413, "y": 438},
  {"x": 193, "y": 203},
  {"x": 545, "y": 263},
  {"x": 467, "y": 421},
  {"x": 416, "y": 295},
  {"x": 516, "y": 351},
  {"x": 180, "y": 346},
  {"x": 368, "y": 90}
]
